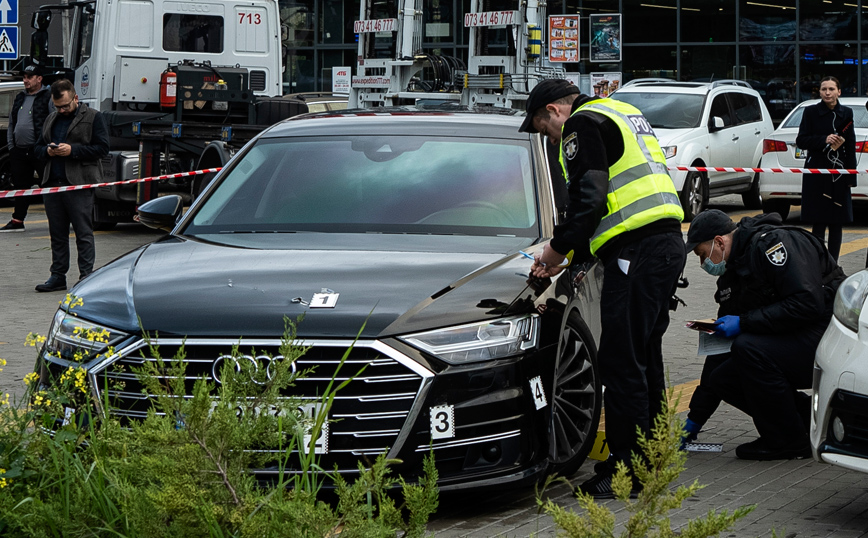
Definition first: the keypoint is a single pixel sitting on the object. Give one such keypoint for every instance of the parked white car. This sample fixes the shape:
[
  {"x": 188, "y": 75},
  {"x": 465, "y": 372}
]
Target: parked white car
[
  {"x": 705, "y": 124},
  {"x": 839, "y": 411},
  {"x": 780, "y": 191}
]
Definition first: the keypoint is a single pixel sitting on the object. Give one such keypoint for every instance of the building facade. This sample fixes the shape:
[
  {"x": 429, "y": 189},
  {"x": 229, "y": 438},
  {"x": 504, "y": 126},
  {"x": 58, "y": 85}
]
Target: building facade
[{"x": 781, "y": 47}]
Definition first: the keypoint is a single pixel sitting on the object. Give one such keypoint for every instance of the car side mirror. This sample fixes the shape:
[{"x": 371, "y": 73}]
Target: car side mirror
[
  {"x": 716, "y": 123},
  {"x": 162, "y": 213}
]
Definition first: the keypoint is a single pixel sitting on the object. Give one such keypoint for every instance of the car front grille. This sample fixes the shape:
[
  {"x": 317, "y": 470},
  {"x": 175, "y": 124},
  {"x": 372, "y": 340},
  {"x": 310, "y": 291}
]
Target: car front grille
[{"x": 371, "y": 415}]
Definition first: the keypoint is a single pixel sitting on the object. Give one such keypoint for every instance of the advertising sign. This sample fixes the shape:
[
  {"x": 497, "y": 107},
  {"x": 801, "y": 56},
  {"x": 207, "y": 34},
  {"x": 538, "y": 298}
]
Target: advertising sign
[
  {"x": 341, "y": 78},
  {"x": 604, "y": 84},
  {"x": 563, "y": 38},
  {"x": 606, "y": 38}
]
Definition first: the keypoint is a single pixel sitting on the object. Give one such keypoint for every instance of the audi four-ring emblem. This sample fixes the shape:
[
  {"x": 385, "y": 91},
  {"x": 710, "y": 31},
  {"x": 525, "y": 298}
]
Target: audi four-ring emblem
[{"x": 260, "y": 362}]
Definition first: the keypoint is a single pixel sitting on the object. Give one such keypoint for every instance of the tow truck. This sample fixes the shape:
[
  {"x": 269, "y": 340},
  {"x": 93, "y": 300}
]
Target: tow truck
[{"x": 182, "y": 85}]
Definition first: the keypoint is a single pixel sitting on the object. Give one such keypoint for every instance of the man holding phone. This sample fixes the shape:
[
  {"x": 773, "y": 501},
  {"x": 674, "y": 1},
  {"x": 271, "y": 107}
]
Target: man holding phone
[{"x": 74, "y": 140}]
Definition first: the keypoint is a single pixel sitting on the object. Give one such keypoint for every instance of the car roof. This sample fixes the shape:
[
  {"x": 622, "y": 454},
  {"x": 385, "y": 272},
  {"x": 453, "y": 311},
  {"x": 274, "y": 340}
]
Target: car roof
[
  {"x": 484, "y": 122},
  {"x": 673, "y": 86}
]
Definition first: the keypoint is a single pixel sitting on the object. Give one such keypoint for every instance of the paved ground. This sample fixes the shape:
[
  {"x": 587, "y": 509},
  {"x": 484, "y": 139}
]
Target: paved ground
[{"x": 797, "y": 498}]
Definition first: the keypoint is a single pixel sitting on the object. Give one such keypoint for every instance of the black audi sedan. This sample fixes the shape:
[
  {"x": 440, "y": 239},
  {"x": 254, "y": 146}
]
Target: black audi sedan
[{"x": 409, "y": 223}]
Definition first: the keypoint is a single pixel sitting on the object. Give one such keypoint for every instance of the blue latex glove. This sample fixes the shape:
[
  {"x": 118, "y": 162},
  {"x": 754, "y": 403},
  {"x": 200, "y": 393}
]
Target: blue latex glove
[{"x": 728, "y": 326}]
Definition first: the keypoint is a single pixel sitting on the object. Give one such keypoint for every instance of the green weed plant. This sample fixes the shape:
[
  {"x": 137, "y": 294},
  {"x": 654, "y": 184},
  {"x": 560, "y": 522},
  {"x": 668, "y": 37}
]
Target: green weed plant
[
  {"x": 183, "y": 470},
  {"x": 659, "y": 465}
]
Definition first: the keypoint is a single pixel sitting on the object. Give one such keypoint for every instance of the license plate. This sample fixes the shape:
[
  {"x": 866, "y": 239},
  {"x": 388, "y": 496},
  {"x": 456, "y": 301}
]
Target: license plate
[{"x": 800, "y": 153}]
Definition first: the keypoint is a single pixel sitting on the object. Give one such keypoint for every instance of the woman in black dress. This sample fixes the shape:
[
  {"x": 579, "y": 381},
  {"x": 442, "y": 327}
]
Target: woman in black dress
[{"x": 828, "y": 134}]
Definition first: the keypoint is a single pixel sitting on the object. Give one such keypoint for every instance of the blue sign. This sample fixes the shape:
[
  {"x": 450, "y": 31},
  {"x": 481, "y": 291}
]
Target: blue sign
[
  {"x": 8, "y": 42},
  {"x": 9, "y": 12}
]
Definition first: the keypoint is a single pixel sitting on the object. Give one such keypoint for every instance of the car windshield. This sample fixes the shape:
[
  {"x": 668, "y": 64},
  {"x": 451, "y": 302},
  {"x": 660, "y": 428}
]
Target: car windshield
[
  {"x": 375, "y": 184},
  {"x": 860, "y": 117},
  {"x": 666, "y": 110}
]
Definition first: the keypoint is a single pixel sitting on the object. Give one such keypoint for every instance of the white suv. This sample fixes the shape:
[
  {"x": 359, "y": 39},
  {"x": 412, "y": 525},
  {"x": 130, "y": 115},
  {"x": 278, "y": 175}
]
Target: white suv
[{"x": 705, "y": 124}]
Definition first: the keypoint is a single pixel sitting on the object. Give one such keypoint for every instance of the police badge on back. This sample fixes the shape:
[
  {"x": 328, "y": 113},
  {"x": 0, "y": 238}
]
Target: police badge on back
[{"x": 777, "y": 254}]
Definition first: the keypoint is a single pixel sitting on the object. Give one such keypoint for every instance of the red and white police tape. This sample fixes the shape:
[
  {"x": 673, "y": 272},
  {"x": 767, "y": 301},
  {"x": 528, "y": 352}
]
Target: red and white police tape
[{"x": 52, "y": 190}]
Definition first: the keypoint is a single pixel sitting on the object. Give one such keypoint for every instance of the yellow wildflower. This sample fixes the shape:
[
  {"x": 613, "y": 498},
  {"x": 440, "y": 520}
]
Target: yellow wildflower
[
  {"x": 71, "y": 301},
  {"x": 5, "y": 400},
  {"x": 31, "y": 378},
  {"x": 3, "y": 481},
  {"x": 2, "y": 363},
  {"x": 34, "y": 340}
]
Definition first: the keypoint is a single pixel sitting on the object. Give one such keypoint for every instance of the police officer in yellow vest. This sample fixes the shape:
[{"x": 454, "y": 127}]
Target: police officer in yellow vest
[{"x": 623, "y": 209}]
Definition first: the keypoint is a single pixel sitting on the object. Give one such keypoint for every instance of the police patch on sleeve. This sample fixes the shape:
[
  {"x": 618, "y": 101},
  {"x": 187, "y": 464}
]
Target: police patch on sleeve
[
  {"x": 571, "y": 146},
  {"x": 777, "y": 254}
]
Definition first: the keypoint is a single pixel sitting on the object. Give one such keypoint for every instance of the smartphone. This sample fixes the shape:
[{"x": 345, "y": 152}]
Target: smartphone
[{"x": 53, "y": 145}]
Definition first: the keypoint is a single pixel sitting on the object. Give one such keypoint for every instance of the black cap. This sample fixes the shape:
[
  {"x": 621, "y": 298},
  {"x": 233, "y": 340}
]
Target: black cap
[
  {"x": 708, "y": 225},
  {"x": 547, "y": 91},
  {"x": 33, "y": 70}
]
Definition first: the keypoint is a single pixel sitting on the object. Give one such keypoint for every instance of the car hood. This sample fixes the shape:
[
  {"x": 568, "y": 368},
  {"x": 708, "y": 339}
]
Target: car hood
[
  {"x": 670, "y": 137},
  {"x": 191, "y": 288}
]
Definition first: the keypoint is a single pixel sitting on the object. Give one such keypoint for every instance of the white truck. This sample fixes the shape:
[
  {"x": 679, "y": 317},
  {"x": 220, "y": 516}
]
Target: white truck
[{"x": 182, "y": 84}]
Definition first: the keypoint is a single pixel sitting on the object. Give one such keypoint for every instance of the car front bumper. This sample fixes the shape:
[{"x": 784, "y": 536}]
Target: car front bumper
[{"x": 840, "y": 398}]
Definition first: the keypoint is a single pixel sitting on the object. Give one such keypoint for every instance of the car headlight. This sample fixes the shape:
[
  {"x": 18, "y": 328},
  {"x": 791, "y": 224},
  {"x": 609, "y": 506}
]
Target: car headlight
[
  {"x": 669, "y": 151},
  {"x": 483, "y": 341},
  {"x": 74, "y": 339},
  {"x": 850, "y": 299}
]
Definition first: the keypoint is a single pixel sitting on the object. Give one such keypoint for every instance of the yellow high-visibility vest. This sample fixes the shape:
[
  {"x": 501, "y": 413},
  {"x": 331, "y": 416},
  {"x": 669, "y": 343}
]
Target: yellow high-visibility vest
[{"x": 640, "y": 188}]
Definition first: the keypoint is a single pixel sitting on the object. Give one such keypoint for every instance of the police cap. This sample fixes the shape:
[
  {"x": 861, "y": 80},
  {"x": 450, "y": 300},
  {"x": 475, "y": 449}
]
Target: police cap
[
  {"x": 708, "y": 225},
  {"x": 547, "y": 91}
]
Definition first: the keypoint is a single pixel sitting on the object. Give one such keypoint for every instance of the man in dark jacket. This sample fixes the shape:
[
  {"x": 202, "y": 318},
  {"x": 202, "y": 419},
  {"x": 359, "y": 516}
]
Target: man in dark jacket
[
  {"x": 26, "y": 118},
  {"x": 777, "y": 284},
  {"x": 74, "y": 140}
]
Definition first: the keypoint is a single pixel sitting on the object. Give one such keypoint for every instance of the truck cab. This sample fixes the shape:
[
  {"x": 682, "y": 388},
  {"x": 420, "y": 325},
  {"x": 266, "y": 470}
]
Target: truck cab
[{"x": 118, "y": 51}]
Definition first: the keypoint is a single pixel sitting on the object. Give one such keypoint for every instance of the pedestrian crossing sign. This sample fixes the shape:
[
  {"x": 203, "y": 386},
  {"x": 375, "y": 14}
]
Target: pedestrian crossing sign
[{"x": 8, "y": 42}]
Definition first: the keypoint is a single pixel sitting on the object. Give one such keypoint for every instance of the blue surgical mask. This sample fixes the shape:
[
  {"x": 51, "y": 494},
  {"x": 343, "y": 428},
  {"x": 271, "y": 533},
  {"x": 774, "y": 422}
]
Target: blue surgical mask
[{"x": 713, "y": 269}]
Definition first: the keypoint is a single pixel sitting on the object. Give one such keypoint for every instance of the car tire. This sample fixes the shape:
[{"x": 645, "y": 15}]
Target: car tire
[
  {"x": 694, "y": 195},
  {"x": 751, "y": 198},
  {"x": 781, "y": 207},
  {"x": 577, "y": 399}
]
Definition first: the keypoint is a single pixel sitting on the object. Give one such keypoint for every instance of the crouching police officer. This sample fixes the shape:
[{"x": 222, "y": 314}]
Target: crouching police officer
[
  {"x": 778, "y": 283},
  {"x": 624, "y": 209}
]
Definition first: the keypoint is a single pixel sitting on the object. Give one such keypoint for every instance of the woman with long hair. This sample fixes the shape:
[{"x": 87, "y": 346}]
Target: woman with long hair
[{"x": 827, "y": 132}]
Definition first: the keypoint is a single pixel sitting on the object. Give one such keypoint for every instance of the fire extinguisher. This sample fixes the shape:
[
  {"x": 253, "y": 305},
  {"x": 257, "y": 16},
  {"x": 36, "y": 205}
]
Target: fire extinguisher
[{"x": 168, "y": 89}]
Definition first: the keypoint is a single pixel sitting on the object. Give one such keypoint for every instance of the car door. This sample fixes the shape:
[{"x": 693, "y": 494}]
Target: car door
[
  {"x": 749, "y": 129},
  {"x": 722, "y": 141}
]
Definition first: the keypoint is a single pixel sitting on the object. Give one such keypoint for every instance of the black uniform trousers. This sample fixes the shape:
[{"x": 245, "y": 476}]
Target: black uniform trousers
[
  {"x": 63, "y": 209},
  {"x": 635, "y": 314},
  {"x": 22, "y": 165},
  {"x": 761, "y": 378}
]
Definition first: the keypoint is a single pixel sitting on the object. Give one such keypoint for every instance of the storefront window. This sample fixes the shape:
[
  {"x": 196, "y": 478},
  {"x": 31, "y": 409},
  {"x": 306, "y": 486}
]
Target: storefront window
[
  {"x": 707, "y": 63},
  {"x": 299, "y": 75},
  {"x": 818, "y": 61},
  {"x": 774, "y": 66},
  {"x": 771, "y": 21},
  {"x": 297, "y": 23},
  {"x": 336, "y": 21},
  {"x": 643, "y": 62},
  {"x": 828, "y": 20},
  {"x": 329, "y": 59},
  {"x": 439, "y": 21},
  {"x": 695, "y": 17},
  {"x": 649, "y": 21}
]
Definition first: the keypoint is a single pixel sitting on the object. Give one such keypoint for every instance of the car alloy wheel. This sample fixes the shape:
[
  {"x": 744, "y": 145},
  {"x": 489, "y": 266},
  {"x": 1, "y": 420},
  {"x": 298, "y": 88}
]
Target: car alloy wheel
[
  {"x": 577, "y": 398},
  {"x": 694, "y": 195}
]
